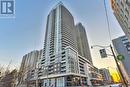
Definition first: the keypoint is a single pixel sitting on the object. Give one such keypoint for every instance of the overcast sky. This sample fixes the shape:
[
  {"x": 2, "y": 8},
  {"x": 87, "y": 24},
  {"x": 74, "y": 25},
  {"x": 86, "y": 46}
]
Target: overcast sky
[{"x": 25, "y": 32}]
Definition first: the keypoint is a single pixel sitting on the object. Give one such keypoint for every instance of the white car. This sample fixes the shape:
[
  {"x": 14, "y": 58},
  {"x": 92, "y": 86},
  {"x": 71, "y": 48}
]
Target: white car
[{"x": 116, "y": 85}]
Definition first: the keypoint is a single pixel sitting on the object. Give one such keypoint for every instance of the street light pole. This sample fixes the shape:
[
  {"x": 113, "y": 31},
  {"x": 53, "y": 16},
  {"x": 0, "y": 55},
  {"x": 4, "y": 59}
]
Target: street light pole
[
  {"x": 121, "y": 74},
  {"x": 116, "y": 61}
]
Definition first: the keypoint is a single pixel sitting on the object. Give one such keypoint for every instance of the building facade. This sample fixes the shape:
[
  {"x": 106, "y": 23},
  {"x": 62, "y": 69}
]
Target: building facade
[
  {"x": 27, "y": 72},
  {"x": 122, "y": 46},
  {"x": 121, "y": 10},
  {"x": 64, "y": 61},
  {"x": 94, "y": 75},
  {"x": 82, "y": 42},
  {"x": 105, "y": 75}
]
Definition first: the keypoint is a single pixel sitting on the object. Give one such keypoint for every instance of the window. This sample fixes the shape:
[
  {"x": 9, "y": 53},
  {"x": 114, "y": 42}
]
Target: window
[
  {"x": 122, "y": 4},
  {"x": 126, "y": 17},
  {"x": 63, "y": 56},
  {"x": 63, "y": 52},
  {"x": 55, "y": 70},
  {"x": 127, "y": 11}
]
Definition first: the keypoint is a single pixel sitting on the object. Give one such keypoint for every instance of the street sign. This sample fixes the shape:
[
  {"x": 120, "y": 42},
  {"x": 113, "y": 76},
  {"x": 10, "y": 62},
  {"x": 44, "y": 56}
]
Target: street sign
[
  {"x": 103, "y": 53},
  {"x": 120, "y": 57}
]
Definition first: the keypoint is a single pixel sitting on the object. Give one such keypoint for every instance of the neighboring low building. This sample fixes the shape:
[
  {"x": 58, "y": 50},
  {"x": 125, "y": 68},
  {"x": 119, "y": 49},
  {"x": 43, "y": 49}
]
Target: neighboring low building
[
  {"x": 94, "y": 75},
  {"x": 105, "y": 75},
  {"x": 122, "y": 46},
  {"x": 75, "y": 72},
  {"x": 27, "y": 72}
]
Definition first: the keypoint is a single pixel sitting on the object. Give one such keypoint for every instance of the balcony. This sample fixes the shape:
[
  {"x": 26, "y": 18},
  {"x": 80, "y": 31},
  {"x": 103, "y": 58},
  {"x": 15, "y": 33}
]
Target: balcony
[{"x": 128, "y": 2}]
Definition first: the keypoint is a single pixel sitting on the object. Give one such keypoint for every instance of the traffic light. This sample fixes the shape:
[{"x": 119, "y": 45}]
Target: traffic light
[
  {"x": 103, "y": 53},
  {"x": 120, "y": 57}
]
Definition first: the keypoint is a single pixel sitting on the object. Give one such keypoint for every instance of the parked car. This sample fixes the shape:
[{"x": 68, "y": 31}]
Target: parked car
[{"x": 116, "y": 85}]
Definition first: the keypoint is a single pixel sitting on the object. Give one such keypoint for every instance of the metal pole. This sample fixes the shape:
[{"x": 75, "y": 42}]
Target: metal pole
[{"x": 121, "y": 74}]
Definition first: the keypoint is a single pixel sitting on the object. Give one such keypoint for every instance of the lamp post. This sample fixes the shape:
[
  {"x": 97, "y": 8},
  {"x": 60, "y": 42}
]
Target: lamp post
[{"x": 116, "y": 61}]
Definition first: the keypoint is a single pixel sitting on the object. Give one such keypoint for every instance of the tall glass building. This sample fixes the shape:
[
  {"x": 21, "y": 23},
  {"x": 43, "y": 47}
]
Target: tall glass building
[
  {"x": 66, "y": 53},
  {"x": 82, "y": 42}
]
